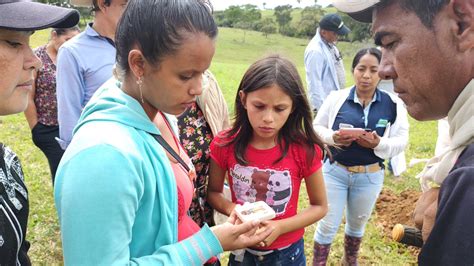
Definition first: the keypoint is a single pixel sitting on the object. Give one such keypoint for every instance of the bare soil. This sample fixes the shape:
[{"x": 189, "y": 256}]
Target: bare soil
[{"x": 395, "y": 208}]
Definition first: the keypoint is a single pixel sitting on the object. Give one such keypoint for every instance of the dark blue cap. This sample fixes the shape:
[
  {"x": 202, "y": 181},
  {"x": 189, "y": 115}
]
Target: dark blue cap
[{"x": 333, "y": 22}]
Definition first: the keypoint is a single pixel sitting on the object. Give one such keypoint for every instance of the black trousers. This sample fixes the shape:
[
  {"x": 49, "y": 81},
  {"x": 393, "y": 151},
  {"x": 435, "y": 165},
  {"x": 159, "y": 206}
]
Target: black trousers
[{"x": 44, "y": 138}]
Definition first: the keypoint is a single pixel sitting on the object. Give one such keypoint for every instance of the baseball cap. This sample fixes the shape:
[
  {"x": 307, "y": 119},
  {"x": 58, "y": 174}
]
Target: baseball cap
[
  {"x": 333, "y": 22},
  {"x": 25, "y": 15},
  {"x": 360, "y": 10}
]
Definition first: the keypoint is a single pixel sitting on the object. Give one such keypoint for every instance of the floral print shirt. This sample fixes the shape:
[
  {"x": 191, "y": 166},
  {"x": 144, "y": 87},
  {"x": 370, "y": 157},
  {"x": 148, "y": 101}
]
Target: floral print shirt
[
  {"x": 196, "y": 136},
  {"x": 45, "y": 90}
]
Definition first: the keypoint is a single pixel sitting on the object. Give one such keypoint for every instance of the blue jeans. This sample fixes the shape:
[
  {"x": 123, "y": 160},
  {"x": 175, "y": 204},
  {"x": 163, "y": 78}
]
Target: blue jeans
[
  {"x": 357, "y": 192},
  {"x": 292, "y": 255}
]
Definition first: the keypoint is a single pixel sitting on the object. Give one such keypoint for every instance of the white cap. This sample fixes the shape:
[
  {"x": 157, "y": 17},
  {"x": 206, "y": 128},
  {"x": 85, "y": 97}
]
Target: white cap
[{"x": 360, "y": 10}]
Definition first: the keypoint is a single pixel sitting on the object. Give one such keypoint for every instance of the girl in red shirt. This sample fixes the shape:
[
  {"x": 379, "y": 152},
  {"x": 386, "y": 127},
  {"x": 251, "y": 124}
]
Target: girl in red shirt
[{"x": 269, "y": 150}]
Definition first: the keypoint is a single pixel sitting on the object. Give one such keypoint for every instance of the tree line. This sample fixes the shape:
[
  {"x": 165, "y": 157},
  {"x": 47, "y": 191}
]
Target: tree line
[{"x": 249, "y": 17}]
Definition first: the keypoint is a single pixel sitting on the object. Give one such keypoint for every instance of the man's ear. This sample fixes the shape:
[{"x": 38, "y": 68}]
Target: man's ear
[
  {"x": 243, "y": 98},
  {"x": 136, "y": 62},
  {"x": 464, "y": 15},
  {"x": 54, "y": 34},
  {"x": 102, "y": 5}
]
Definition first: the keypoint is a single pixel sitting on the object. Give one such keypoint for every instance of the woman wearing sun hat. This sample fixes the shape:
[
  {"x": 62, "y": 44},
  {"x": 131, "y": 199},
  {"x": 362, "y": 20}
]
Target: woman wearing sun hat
[{"x": 18, "y": 20}]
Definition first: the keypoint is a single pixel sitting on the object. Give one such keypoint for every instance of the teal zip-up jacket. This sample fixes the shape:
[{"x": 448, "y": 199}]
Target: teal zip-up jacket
[{"x": 116, "y": 194}]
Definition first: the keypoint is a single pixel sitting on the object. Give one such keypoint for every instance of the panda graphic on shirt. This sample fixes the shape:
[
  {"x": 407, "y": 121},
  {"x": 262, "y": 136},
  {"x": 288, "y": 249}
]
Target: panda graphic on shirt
[{"x": 251, "y": 184}]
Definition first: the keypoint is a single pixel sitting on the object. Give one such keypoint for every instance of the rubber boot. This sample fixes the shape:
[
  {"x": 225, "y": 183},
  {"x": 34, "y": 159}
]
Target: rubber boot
[
  {"x": 351, "y": 250},
  {"x": 320, "y": 254}
]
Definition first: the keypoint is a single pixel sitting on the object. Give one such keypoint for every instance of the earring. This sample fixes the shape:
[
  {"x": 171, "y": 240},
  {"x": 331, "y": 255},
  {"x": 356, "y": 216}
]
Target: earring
[{"x": 140, "y": 85}]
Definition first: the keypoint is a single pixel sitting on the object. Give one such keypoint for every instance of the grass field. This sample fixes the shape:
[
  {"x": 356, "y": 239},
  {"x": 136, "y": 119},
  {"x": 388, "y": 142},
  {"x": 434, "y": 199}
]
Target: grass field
[{"x": 232, "y": 57}]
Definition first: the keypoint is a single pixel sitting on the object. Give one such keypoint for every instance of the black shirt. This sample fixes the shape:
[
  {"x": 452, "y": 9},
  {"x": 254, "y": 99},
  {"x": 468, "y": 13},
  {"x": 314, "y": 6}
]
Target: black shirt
[{"x": 13, "y": 210}]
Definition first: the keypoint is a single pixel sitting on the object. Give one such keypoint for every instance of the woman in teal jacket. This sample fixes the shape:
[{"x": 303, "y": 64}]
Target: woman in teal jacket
[{"x": 115, "y": 192}]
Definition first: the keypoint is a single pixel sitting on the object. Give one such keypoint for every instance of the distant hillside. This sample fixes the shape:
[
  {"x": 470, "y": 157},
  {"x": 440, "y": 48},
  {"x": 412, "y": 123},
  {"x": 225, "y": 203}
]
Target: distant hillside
[{"x": 233, "y": 55}]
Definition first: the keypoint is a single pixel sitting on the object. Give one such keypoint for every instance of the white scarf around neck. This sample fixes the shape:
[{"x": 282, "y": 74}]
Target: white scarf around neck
[{"x": 461, "y": 122}]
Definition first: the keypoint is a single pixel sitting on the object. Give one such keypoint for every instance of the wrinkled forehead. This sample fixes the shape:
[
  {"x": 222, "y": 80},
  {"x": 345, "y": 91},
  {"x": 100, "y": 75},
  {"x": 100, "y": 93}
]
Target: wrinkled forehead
[
  {"x": 387, "y": 16},
  {"x": 392, "y": 19}
]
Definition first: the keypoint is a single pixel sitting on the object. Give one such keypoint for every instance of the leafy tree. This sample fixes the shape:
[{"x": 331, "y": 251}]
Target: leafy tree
[
  {"x": 251, "y": 13},
  {"x": 288, "y": 30},
  {"x": 310, "y": 17},
  {"x": 268, "y": 27},
  {"x": 233, "y": 15},
  {"x": 283, "y": 15},
  {"x": 250, "y": 16},
  {"x": 359, "y": 31},
  {"x": 221, "y": 21},
  {"x": 243, "y": 17}
]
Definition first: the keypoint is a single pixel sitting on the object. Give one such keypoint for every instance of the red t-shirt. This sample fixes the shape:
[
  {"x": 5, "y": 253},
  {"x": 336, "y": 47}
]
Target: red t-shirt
[{"x": 276, "y": 184}]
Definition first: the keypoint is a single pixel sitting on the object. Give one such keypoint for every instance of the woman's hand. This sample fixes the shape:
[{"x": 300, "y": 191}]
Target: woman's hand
[
  {"x": 370, "y": 140},
  {"x": 236, "y": 235},
  {"x": 342, "y": 140}
]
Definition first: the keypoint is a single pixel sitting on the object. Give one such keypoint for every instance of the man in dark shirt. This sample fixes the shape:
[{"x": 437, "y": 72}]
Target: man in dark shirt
[
  {"x": 428, "y": 51},
  {"x": 451, "y": 241}
]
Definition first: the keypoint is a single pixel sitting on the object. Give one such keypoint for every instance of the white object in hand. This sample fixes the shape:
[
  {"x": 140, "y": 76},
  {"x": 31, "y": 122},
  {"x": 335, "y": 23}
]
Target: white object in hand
[{"x": 255, "y": 211}]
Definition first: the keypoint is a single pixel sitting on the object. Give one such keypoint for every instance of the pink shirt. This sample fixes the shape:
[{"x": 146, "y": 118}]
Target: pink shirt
[
  {"x": 277, "y": 184},
  {"x": 185, "y": 188},
  {"x": 186, "y": 225}
]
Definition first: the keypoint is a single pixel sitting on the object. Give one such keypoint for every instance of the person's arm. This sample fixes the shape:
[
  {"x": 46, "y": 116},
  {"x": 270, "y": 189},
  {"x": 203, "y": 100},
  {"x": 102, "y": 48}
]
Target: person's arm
[
  {"x": 70, "y": 94},
  {"x": 30, "y": 113},
  {"x": 397, "y": 140},
  {"x": 321, "y": 124},
  {"x": 97, "y": 203},
  {"x": 315, "y": 62},
  {"x": 215, "y": 193},
  {"x": 316, "y": 210},
  {"x": 425, "y": 211}
]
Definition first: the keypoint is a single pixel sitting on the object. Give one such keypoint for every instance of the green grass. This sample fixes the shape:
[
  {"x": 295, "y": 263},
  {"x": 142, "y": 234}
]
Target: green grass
[
  {"x": 233, "y": 56},
  {"x": 237, "y": 49}
]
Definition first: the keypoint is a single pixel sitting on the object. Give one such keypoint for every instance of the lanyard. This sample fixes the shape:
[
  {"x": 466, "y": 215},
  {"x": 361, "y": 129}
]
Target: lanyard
[{"x": 170, "y": 150}]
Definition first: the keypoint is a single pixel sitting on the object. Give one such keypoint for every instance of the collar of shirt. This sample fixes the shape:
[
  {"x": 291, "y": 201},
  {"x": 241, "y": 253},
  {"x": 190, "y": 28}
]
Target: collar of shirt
[
  {"x": 353, "y": 96},
  {"x": 375, "y": 98},
  {"x": 90, "y": 31}
]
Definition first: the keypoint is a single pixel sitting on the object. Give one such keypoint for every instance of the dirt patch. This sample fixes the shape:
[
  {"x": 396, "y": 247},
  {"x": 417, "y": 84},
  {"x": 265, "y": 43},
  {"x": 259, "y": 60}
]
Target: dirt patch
[{"x": 392, "y": 209}]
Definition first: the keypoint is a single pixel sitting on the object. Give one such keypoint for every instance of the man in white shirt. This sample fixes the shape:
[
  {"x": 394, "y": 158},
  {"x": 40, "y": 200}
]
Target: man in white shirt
[{"x": 323, "y": 61}]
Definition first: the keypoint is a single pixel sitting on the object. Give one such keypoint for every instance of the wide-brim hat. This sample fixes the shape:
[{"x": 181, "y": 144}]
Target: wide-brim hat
[
  {"x": 360, "y": 10},
  {"x": 24, "y": 15},
  {"x": 81, "y": 3}
]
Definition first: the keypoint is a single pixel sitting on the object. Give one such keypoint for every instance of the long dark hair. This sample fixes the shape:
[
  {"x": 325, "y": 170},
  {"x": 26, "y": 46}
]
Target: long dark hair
[
  {"x": 159, "y": 27},
  {"x": 274, "y": 70}
]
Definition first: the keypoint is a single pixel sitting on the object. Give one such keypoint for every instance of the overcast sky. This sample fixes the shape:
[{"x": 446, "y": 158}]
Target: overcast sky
[{"x": 223, "y": 4}]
